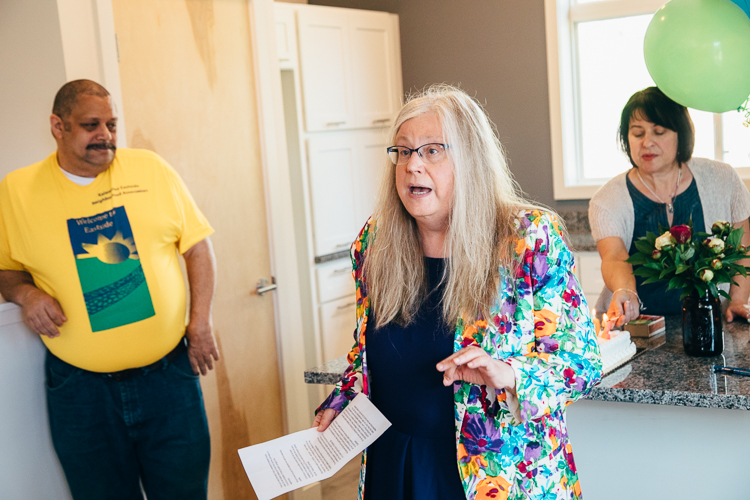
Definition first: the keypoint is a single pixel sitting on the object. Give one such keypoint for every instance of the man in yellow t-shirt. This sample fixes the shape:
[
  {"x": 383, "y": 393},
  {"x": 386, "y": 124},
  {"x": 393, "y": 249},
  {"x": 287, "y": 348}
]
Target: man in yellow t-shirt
[{"x": 89, "y": 243}]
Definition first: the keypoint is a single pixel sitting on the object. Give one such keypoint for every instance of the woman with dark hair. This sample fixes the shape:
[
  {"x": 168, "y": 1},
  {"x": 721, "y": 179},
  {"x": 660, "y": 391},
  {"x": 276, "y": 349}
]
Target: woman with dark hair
[
  {"x": 666, "y": 187},
  {"x": 472, "y": 336}
]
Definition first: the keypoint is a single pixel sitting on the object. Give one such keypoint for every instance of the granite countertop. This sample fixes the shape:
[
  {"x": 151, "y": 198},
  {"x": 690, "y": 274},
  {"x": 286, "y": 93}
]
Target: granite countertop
[{"x": 660, "y": 375}]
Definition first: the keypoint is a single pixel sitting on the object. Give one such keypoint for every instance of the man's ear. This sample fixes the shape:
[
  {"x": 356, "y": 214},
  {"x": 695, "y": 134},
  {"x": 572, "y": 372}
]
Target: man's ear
[{"x": 56, "y": 125}]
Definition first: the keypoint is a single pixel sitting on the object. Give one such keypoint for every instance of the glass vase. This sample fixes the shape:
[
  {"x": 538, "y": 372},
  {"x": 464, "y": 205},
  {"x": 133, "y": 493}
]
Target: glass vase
[{"x": 702, "y": 332}]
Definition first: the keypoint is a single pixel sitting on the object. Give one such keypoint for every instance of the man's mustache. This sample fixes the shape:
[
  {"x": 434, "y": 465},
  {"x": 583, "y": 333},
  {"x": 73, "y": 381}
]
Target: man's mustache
[{"x": 102, "y": 145}]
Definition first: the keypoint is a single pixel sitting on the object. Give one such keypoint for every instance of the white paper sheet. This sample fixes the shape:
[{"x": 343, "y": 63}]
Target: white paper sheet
[{"x": 290, "y": 462}]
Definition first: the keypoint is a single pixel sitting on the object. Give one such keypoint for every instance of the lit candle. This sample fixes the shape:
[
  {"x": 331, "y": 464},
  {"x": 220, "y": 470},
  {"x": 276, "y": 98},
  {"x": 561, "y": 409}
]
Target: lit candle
[
  {"x": 597, "y": 324},
  {"x": 605, "y": 327}
]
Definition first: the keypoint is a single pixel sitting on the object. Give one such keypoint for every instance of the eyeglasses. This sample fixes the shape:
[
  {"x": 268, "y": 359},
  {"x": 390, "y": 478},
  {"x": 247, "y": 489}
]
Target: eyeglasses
[{"x": 429, "y": 153}]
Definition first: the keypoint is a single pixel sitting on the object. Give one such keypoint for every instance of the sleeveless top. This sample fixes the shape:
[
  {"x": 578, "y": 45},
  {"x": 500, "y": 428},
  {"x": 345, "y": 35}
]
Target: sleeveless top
[
  {"x": 416, "y": 457},
  {"x": 649, "y": 215}
]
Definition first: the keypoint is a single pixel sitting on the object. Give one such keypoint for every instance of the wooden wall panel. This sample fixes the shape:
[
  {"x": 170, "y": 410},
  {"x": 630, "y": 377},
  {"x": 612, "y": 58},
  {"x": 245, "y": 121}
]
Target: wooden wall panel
[{"x": 188, "y": 92}]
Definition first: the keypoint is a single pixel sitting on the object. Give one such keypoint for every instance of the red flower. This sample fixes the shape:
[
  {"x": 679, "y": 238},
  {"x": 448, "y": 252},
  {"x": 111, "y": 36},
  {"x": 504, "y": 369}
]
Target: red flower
[
  {"x": 681, "y": 233},
  {"x": 571, "y": 297}
]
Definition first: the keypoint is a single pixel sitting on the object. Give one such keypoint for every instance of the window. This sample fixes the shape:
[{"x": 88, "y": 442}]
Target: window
[{"x": 595, "y": 63}]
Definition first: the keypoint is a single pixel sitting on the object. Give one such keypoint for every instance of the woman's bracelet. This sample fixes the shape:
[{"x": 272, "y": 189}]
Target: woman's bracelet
[{"x": 640, "y": 304}]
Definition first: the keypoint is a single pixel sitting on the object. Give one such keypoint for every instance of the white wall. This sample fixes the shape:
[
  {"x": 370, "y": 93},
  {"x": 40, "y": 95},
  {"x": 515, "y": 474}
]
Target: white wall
[
  {"x": 28, "y": 466},
  {"x": 42, "y": 47},
  {"x": 33, "y": 69},
  {"x": 43, "y": 44}
]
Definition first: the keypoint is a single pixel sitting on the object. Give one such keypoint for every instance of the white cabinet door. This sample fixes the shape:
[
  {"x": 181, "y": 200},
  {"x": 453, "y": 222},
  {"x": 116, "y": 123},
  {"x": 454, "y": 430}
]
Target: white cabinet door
[
  {"x": 373, "y": 68},
  {"x": 286, "y": 34},
  {"x": 324, "y": 66},
  {"x": 337, "y": 323},
  {"x": 589, "y": 267},
  {"x": 371, "y": 160},
  {"x": 331, "y": 159}
]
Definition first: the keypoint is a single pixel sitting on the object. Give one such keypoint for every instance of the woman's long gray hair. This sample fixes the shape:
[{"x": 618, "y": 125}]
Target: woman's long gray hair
[{"x": 481, "y": 234}]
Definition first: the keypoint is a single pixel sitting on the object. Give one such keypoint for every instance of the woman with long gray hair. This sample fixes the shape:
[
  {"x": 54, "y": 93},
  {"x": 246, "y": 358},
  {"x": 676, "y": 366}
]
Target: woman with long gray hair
[{"x": 477, "y": 334}]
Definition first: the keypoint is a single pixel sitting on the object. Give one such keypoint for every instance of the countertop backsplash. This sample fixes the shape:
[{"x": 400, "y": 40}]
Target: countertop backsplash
[{"x": 579, "y": 231}]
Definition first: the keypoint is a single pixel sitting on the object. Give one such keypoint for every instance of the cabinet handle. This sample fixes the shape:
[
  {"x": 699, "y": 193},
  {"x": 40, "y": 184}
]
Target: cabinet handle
[
  {"x": 334, "y": 124},
  {"x": 343, "y": 270},
  {"x": 346, "y": 306},
  {"x": 343, "y": 245},
  {"x": 382, "y": 120}
]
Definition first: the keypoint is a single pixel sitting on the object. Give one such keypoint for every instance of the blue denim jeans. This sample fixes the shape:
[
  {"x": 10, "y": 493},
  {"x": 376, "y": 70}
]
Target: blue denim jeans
[{"x": 112, "y": 436}]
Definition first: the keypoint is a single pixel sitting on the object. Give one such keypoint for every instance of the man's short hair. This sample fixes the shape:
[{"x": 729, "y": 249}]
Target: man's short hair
[{"x": 66, "y": 97}]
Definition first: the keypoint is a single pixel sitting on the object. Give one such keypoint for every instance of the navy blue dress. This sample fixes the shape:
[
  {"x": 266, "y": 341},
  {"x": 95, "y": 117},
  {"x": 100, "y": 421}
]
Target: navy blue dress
[
  {"x": 416, "y": 457},
  {"x": 648, "y": 216}
]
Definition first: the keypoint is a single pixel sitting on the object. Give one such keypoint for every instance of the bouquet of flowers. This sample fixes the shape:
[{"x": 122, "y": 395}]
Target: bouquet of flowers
[{"x": 695, "y": 263}]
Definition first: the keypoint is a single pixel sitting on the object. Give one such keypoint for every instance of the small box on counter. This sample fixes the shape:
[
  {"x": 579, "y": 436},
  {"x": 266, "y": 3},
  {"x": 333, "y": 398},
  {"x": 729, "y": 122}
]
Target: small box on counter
[
  {"x": 646, "y": 326},
  {"x": 650, "y": 342}
]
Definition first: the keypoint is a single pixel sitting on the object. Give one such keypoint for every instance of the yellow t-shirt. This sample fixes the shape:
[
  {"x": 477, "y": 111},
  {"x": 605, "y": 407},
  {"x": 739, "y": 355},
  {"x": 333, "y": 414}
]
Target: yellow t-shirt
[{"x": 107, "y": 252}]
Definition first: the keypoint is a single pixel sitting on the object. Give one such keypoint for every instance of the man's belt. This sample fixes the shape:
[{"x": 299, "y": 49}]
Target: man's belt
[{"x": 126, "y": 374}]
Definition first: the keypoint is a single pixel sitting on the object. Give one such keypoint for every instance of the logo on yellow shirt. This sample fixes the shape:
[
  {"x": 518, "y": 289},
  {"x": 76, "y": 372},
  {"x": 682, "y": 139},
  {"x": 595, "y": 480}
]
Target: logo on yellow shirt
[{"x": 109, "y": 269}]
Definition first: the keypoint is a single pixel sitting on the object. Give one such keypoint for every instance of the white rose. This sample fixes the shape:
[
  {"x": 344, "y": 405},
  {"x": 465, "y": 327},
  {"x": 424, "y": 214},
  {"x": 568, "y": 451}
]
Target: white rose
[
  {"x": 716, "y": 244},
  {"x": 666, "y": 240}
]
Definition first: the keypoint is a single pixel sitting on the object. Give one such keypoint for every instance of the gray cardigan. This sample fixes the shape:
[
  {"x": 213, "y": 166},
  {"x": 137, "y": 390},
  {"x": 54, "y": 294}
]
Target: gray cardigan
[{"x": 722, "y": 193}]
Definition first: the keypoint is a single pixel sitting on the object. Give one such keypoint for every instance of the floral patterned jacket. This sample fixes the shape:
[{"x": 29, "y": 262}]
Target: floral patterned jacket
[{"x": 543, "y": 330}]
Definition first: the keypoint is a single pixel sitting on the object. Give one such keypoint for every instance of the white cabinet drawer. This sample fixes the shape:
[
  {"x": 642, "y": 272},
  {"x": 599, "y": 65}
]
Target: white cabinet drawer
[
  {"x": 334, "y": 280},
  {"x": 337, "y": 323}
]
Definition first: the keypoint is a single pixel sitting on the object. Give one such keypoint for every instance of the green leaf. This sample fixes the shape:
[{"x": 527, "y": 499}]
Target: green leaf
[
  {"x": 677, "y": 282},
  {"x": 735, "y": 238},
  {"x": 644, "y": 246},
  {"x": 638, "y": 259},
  {"x": 651, "y": 237},
  {"x": 664, "y": 273},
  {"x": 652, "y": 279},
  {"x": 682, "y": 268},
  {"x": 733, "y": 258},
  {"x": 689, "y": 254},
  {"x": 724, "y": 294},
  {"x": 645, "y": 272}
]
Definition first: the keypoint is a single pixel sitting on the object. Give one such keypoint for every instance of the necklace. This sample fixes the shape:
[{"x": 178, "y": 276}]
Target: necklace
[{"x": 670, "y": 205}]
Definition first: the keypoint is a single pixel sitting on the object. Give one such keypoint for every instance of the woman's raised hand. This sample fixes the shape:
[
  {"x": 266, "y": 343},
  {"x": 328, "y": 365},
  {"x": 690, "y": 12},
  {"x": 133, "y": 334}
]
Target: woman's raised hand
[
  {"x": 624, "y": 306},
  {"x": 324, "y": 418},
  {"x": 738, "y": 309},
  {"x": 472, "y": 364}
]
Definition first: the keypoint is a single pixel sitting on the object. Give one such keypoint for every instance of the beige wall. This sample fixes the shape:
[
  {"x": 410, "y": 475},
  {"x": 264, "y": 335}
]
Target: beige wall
[{"x": 189, "y": 94}]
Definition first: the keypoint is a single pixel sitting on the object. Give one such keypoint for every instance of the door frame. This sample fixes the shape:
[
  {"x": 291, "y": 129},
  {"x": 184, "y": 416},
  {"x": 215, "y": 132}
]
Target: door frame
[{"x": 280, "y": 218}]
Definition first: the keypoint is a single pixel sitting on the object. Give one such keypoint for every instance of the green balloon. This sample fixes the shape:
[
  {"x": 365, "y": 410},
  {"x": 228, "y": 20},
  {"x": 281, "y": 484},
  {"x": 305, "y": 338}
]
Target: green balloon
[{"x": 698, "y": 53}]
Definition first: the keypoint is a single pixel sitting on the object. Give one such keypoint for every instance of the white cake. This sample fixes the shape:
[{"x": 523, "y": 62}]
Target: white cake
[{"x": 615, "y": 351}]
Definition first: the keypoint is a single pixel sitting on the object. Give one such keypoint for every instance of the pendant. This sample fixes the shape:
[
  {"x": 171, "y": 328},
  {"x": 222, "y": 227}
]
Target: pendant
[{"x": 670, "y": 208}]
